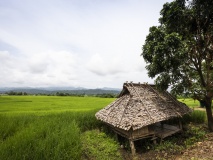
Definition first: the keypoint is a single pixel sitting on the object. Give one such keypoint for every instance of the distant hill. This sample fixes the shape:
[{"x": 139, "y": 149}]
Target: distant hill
[{"x": 54, "y": 90}]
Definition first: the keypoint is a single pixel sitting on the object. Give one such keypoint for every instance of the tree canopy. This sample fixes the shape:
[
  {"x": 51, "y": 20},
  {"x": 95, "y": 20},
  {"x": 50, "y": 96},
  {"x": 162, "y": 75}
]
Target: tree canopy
[{"x": 179, "y": 52}]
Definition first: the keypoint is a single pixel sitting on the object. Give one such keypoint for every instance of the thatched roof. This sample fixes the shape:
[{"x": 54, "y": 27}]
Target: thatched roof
[{"x": 140, "y": 105}]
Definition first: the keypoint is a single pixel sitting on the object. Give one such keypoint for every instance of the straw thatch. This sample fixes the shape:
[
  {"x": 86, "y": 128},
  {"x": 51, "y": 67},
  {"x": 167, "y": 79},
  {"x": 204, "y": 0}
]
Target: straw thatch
[{"x": 140, "y": 105}]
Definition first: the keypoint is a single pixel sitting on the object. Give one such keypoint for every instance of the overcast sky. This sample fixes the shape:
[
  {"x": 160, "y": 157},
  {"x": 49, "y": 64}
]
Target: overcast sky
[{"x": 80, "y": 43}]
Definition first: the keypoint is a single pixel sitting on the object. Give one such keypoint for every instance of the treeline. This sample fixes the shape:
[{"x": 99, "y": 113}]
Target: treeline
[
  {"x": 103, "y": 95},
  {"x": 107, "y": 95},
  {"x": 80, "y": 92},
  {"x": 66, "y": 94},
  {"x": 16, "y": 93}
]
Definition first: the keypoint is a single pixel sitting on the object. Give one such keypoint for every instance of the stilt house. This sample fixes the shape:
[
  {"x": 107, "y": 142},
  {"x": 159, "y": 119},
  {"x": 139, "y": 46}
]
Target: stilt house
[{"x": 141, "y": 111}]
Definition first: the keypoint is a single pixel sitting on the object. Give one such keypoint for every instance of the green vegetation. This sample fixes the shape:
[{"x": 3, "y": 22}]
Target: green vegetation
[
  {"x": 51, "y": 104},
  {"x": 190, "y": 102},
  {"x": 55, "y": 127},
  {"x": 41, "y": 138},
  {"x": 43, "y": 127},
  {"x": 196, "y": 116},
  {"x": 178, "y": 51},
  {"x": 177, "y": 143},
  {"x": 97, "y": 145}
]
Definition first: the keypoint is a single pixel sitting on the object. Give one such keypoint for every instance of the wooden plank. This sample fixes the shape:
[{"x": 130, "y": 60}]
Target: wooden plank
[{"x": 166, "y": 130}]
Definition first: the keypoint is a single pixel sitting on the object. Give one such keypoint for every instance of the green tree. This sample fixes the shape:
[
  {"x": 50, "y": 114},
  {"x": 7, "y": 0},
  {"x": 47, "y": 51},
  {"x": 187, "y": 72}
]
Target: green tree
[{"x": 179, "y": 52}]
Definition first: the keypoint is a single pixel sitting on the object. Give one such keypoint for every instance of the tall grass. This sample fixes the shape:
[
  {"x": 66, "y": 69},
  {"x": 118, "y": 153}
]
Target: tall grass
[
  {"x": 53, "y": 134},
  {"x": 196, "y": 117},
  {"x": 44, "y": 137},
  {"x": 97, "y": 145}
]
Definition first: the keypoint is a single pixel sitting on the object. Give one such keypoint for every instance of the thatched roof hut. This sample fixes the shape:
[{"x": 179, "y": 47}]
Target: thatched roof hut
[{"x": 139, "y": 106}]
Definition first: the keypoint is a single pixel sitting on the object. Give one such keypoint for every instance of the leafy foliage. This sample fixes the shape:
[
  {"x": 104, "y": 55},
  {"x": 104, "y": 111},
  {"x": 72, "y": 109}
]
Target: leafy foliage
[{"x": 180, "y": 50}]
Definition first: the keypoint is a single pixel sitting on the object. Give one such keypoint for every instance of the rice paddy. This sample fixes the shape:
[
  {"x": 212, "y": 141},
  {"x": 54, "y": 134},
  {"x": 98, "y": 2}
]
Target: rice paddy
[
  {"x": 190, "y": 102},
  {"x": 49, "y": 104},
  {"x": 42, "y": 127}
]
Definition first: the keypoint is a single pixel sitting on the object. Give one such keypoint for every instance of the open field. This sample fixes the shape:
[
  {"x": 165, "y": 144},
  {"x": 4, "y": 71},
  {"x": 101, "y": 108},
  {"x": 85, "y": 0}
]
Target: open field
[
  {"x": 42, "y": 127},
  {"x": 51, "y": 127},
  {"x": 190, "y": 102},
  {"x": 49, "y": 104}
]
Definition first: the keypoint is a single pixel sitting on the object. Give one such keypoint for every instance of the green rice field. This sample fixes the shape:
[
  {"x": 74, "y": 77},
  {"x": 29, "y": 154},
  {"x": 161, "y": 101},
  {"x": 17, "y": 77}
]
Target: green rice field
[
  {"x": 190, "y": 102},
  {"x": 49, "y": 104},
  {"x": 54, "y": 128},
  {"x": 44, "y": 127}
]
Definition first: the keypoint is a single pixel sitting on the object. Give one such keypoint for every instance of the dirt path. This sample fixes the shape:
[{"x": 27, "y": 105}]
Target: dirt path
[{"x": 201, "y": 150}]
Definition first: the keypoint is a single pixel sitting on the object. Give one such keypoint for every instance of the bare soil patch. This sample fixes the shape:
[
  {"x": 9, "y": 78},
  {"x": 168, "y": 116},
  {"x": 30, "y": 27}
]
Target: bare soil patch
[{"x": 201, "y": 150}]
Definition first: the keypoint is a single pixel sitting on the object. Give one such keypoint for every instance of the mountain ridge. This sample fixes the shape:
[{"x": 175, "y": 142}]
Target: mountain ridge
[{"x": 54, "y": 90}]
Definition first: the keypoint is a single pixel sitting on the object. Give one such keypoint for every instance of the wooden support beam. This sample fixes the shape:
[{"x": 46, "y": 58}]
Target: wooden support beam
[
  {"x": 132, "y": 146},
  {"x": 180, "y": 124},
  {"x": 154, "y": 139},
  {"x": 117, "y": 138}
]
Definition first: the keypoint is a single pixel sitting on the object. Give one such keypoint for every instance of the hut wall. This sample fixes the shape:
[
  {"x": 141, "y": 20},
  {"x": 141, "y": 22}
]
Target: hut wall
[
  {"x": 122, "y": 132},
  {"x": 142, "y": 132}
]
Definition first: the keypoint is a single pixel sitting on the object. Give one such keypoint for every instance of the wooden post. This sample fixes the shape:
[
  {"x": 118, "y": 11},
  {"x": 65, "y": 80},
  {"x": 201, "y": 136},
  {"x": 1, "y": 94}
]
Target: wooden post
[
  {"x": 117, "y": 137},
  {"x": 180, "y": 124},
  {"x": 132, "y": 145},
  {"x": 162, "y": 124},
  {"x": 154, "y": 139}
]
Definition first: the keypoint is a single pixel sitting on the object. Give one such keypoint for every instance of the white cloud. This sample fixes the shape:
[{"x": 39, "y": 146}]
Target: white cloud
[
  {"x": 74, "y": 43},
  {"x": 105, "y": 65},
  {"x": 44, "y": 69}
]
